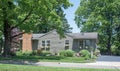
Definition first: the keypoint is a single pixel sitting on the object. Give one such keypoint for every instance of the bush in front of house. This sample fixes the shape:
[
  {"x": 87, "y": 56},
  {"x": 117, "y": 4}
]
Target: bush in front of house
[
  {"x": 27, "y": 53},
  {"x": 85, "y": 53},
  {"x": 20, "y": 53},
  {"x": 96, "y": 52},
  {"x": 67, "y": 53},
  {"x": 45, "y": 53},
  {"x": 34, "y": 52}
]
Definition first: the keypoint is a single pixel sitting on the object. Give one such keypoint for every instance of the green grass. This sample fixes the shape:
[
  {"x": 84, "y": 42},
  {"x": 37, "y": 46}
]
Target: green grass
[
  {"x": 49, "y": 59},
  {"x": 11, "y": 67}
]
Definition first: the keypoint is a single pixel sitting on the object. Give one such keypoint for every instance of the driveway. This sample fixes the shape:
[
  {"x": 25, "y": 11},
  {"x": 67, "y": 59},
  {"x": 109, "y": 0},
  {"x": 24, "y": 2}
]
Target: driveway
[{"x": 107, "y": 58}]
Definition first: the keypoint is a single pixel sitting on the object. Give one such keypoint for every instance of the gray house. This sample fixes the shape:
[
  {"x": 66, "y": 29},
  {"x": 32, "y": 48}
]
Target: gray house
[{"x": 51, "y": 42}]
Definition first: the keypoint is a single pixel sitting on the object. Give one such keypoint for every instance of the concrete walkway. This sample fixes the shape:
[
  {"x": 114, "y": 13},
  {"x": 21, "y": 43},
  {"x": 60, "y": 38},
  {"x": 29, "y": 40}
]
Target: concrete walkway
[
  {"x": 103, "y": 65},
  {"x": 104, "y": 62}
]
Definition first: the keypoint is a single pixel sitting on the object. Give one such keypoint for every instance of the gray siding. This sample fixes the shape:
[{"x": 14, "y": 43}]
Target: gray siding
[{"x": 56, "y": 44}]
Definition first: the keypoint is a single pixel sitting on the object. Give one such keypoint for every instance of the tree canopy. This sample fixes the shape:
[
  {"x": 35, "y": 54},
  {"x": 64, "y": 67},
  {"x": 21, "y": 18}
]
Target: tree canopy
[
  {"x": 102, "y": 16},
  {"x": 26, "y": 14}
]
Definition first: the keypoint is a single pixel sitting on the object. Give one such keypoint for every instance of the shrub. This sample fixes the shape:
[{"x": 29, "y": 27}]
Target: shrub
[
  {"x": 85, "y": 53},
  {"x": 20, "y": 53},
  {"x": 103, "y": 50},
  {"x": 87, "y": 57},
  {"x": 67, "y": 53},
  {"x": 34, "y": 52},
  {"x": 39, "y": 51},
  {"x": 45, "y": 53},
  {"x": 115, "y": 50},
  {"x": 27, "y": 53},
  {"x": 97, "y": 52}
]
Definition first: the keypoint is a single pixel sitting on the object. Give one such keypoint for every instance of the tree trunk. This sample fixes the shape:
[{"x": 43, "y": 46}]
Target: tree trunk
[
  {"x": 109, "y": 34},
  {"x": 1, "y": 44},
  {"x": 109, "y": 45},
  {"x": 7, "y": 39}
]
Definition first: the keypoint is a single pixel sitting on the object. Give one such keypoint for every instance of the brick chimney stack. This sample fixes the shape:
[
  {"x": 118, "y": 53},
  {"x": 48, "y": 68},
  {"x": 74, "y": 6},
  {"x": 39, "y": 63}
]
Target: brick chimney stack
[{"x": 27, "y": 42}]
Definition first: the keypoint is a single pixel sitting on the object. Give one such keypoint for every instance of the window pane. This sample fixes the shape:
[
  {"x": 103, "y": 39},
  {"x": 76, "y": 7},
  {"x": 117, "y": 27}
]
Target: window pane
[
  {"x": 48, "y": 48},
  {"x": 43, "y": 48},
  {"x": 48, "y": 43},
  {"x": 66, "y": 41},
  {"x": 43, "y": 44},
  {"x": 43, "y": 41},
  {"x": 66, "y": 47}
]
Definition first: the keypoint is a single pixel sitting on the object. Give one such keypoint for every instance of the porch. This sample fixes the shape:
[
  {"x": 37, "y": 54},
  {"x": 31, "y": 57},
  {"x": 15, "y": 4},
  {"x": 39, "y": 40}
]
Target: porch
[{"x": 79, "y": 44}]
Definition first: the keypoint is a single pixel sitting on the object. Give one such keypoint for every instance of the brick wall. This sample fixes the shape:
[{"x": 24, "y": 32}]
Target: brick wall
[{"x": 27, "y": 42}]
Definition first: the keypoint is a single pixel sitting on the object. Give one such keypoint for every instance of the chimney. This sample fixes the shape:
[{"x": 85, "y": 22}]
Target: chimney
[{"x": 27, "y": 42}]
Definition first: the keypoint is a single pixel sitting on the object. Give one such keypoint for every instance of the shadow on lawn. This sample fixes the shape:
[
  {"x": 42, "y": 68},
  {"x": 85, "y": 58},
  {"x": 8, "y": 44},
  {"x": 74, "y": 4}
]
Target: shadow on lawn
[{"x": 27, "y": 60}]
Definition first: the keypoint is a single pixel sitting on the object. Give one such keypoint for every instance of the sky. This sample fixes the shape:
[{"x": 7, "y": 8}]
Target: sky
[{"x": 70, "y": 15}]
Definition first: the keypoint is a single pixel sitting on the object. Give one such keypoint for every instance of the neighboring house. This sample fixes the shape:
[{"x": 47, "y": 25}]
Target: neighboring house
[{"x": 51, "y": 42}]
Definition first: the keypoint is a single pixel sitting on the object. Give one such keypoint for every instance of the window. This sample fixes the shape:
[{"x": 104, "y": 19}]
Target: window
[
  {"x": 81, "y": 43},
  {"x": 66, "y": 41},
  {"x": 66, "y": 44},
  {"x": 43, "y": 43},
  {"x": 46, "y": 45}
]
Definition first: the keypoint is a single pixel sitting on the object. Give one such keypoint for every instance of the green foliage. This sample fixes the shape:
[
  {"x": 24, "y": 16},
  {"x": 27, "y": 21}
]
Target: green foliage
[
  {"x": 24, "y": 14},
  {"x": 67, "y": 53},
  {"x": 96, "y": 52},
  {"x": 13, "y": 67},
  {"x": 45, "y": 53},
  {"x": 115, "y": 50},
  {"x": 103, "y": 50},
  {"x": 85, "y": 53},
  {"x": 27, "y": 53},
  {"x": 100, "y": 16},
  {"x": 39, "y": 51},
  {"x": 20, "y": 53},
  {"x": 34, "y": 52}
]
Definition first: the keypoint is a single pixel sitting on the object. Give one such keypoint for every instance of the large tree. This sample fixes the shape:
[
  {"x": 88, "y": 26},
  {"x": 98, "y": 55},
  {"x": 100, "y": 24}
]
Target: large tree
[
  {"x": 100, "y": 16},
  {"x": 25, "y": 15},
  {"x": 47, "y": 25}
]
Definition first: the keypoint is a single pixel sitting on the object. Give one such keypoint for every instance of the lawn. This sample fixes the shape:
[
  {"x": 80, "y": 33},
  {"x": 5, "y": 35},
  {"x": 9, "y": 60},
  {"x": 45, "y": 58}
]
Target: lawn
[
  {"x": 11, "y": 67},
  {"x": 49, "y": 59}
]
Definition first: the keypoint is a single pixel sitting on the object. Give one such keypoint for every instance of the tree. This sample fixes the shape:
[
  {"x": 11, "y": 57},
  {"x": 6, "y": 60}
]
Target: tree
[
  {"x": 48, "y": 27},
  {"x": 25, "y": 15},
  {"x": 100, "y": 16}
]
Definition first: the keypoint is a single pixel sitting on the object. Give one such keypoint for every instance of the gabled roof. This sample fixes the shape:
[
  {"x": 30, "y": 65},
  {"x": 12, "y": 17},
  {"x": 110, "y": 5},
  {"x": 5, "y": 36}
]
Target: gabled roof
[
  {"x": 36, "y": 36},
  {"x": 90, "y": 35}
]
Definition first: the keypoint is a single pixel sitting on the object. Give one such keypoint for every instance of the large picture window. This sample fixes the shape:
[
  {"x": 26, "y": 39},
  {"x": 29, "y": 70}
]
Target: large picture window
[{"x": 46, "y": 45}]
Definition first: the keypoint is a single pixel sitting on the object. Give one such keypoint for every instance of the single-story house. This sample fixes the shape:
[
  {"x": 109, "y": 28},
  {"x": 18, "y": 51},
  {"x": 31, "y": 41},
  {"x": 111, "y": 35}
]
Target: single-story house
[{"x": 52, "y": 42}]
